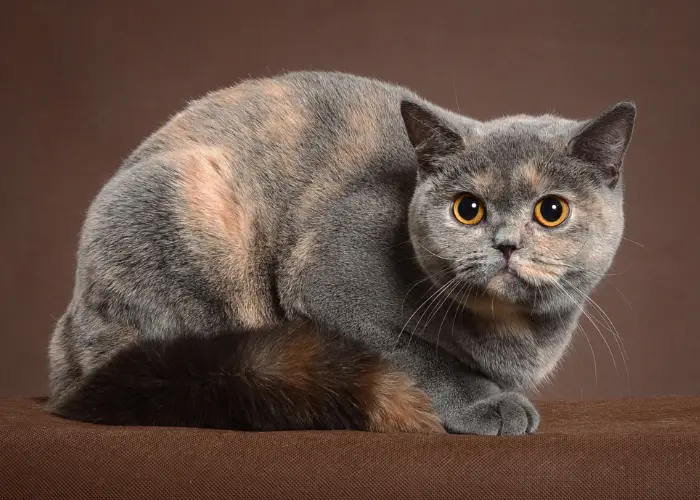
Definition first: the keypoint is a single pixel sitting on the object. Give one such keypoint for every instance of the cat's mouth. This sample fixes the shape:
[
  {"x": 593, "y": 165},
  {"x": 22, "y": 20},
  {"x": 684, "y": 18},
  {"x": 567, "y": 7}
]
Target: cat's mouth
[
  {"x": 508, "y": 270},
  {"x": 518, "y": 271},
  {"x": 507, "y": 275},
  {"x": 530, "y": 273}
]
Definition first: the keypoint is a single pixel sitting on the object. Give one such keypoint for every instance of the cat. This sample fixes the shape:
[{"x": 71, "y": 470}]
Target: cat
[{"x": 320, "y": 250}]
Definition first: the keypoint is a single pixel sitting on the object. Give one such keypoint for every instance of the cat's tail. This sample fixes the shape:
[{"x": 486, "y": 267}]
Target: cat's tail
[{"x": 285, "y": 378}]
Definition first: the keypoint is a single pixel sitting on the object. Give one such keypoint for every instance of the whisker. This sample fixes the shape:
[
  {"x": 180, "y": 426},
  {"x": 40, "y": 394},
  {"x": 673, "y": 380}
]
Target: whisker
[
  {"x": 590, "y": 346},
  {"x": 432, "y": 286},
  {"x": 587, "y": 315},
  {"x": 634, "y": 242},
  {"x": 612, "y": 329},
  {"x": 445, "y": 298},
  {"x": 423, "y": 280},
  {"x": 454, "y": 89},
  {"x": 416, "y": 312},
  {"x": 399, "y": 244},
  {"x": 569, "y": 266},
  {"x": 437, "y": 340},
  {"x": 555, "y": 263},
  {"x": 579, "y": 328},
  {"x": 460, "y": 307},
  {"x": 435, "y": 301},
  {"x": 623, "y": 297},
  {"x": 433, "y": 253}
]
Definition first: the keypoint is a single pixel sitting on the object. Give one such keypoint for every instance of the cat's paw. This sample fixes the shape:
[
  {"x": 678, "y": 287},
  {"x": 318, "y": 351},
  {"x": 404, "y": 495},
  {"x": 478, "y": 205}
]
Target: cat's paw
[{"x": 507, "y": 413}]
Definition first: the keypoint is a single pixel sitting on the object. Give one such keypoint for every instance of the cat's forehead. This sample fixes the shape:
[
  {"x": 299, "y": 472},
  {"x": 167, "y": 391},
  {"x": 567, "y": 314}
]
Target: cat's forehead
[
  {"x": 522, "y": 157},
  {"x": 521, "y": 178}
]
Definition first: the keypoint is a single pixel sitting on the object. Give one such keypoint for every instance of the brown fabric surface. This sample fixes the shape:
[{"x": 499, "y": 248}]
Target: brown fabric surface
[{"x": 632, "y": 448}]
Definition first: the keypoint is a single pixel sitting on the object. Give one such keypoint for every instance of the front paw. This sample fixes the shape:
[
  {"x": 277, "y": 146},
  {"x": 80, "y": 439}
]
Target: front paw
[{"x": 506, "y": 413}]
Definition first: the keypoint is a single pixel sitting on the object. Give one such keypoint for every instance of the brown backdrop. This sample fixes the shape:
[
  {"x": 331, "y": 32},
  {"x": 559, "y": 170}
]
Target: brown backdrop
[{"x": 82, "y": 83}]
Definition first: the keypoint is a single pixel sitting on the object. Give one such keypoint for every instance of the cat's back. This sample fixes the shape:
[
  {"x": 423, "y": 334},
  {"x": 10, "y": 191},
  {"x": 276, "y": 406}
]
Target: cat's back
[
  {"x": 196, "y": 216},
  {"x": 286, "y": 125}
]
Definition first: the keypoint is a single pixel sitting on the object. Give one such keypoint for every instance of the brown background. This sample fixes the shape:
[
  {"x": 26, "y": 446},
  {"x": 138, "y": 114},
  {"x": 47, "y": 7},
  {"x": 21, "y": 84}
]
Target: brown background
[{"x": 82, "y": 83}]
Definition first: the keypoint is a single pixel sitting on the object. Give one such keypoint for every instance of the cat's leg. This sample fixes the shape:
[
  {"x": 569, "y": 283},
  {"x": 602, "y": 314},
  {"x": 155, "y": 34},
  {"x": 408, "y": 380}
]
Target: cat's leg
[
  {"x": 364, "y": 307},
  {"x": 467, "y": 402}
]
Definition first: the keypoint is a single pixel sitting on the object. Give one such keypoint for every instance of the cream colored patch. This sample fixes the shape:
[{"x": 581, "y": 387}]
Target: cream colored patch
[
  {"x": 220, "y": 219},
  {"x": 286, "y": 121},
  {"x": 324, "y": 188},
  {"x": 505, "y": 317},
  {"x": 469, "y": 140},
  {"x": 251, "y": 310},
  {"x": 534, "y": 272},
  {"x": 532, "y": 175},
  {"x": 302, "y": 255},
  {"x": 401, "y": 407},
  {"x": 211, "y": 206},
  {"x": 481, "y": 182},
  {"x": 604, "y": 219},
  {"x": 360, "y": 139},
  {"x": 597, "y": 220},
  {"x": 493, "y": 307},
  {"x": 232, "y": 95},
  {"x": 175, "y": 131}
]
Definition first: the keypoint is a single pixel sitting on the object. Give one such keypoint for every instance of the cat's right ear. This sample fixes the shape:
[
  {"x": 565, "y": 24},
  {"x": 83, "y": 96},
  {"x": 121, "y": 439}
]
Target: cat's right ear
[
  {"x": 603, "y": 141},
  {"x": 431, "y": 136}
]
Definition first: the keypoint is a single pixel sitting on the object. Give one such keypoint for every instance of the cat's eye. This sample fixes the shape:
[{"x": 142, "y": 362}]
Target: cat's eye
[
  {"x": 551, "y": 211},
  {"x": 468, "y": 209}
]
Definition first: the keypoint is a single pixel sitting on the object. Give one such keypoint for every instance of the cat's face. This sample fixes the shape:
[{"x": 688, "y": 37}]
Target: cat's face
[{"x": 522, "y": 210}]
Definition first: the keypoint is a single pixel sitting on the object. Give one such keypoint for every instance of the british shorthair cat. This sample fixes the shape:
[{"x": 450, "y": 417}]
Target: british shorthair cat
[{"x": 320, "y": 250}]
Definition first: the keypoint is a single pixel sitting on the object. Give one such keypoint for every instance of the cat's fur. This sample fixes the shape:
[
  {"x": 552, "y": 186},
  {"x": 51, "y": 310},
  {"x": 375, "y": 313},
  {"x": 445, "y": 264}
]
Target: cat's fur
[{"x": 282, "y": 255}]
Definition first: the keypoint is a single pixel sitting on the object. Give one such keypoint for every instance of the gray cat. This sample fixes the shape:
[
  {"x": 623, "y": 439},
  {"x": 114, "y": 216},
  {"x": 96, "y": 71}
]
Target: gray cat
[{"x": 326, "y": 251}]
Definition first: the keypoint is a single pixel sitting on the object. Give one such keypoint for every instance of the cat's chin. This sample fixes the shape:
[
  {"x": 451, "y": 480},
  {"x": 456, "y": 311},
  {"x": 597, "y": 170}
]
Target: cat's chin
[
  {"x": 498, "y": 302},
  {"x": 506, "y": 284},
  {"x": 511, "y": 286}
]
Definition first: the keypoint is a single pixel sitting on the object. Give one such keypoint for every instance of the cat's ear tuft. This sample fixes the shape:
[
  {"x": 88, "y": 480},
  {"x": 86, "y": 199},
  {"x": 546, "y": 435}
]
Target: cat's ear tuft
[
  {"x": 431, "y": 136},
  {"x": 603, "y": 141}
]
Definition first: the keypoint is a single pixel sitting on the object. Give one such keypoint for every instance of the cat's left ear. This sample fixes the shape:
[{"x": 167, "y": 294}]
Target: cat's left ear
[
  {"x": 603, "y": 141},
  {"x": 431, "y": 136}
]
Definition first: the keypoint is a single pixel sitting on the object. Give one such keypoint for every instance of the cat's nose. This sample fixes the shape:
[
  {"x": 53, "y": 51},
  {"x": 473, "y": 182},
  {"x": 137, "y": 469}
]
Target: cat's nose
[{"x": 507, "y": 250}]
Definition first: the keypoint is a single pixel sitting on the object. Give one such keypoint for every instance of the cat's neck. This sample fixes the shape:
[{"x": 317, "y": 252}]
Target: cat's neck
[
  {"x": 499, "y": 316},
  {"x": 516, "y": 345}
]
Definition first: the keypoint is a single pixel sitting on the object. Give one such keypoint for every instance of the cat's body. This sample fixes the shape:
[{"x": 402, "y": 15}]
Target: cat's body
[{"x": 301, "y": 203}]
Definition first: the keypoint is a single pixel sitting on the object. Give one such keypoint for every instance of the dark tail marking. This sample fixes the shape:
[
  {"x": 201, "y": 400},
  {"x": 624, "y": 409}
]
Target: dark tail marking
[{"x": 285, "y": 378}]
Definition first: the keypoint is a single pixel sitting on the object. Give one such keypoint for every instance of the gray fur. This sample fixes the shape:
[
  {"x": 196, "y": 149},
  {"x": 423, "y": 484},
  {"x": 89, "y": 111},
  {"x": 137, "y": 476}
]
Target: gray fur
[{"x": 350, "y": 225}]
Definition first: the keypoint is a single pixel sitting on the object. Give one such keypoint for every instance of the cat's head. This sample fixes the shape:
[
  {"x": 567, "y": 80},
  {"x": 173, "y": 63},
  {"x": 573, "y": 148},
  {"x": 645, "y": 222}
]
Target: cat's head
[{"x": 524, "y": 210}]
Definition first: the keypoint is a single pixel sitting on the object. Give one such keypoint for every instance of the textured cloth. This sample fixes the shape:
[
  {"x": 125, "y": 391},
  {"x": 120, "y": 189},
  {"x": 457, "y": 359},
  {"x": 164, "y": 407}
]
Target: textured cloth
[{"x": 631, "y": 448}]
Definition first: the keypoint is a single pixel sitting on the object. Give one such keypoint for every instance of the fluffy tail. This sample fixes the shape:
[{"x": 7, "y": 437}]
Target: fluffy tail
[{"x": 285, "y": 378}]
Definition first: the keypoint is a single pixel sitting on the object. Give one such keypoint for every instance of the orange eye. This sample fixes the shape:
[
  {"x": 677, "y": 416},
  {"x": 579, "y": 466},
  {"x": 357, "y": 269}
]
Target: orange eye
[
  {"x": 551, "y": 211},
  {"x": 468, "y": 209}
]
